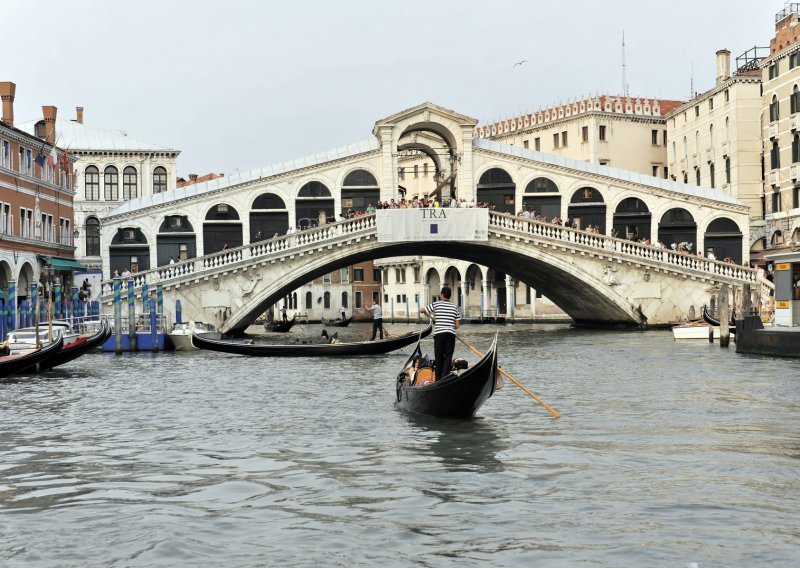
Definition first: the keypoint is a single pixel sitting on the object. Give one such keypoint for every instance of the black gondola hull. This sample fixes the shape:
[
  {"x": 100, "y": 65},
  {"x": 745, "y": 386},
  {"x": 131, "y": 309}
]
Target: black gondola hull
[
  {"x": 74, "y": 350},
  {"x": 281, "y": 327},
  {"x": 339, "y": 322},
  {"x": 312, "y": 349},
  {"x": 455, "y": 396},
  {"x": 14, "y": 364}
]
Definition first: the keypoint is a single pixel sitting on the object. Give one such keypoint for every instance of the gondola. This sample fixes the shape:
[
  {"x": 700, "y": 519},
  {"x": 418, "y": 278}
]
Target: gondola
[
  {"x": 339, "y": 322},
  {"x": 13, "y": 364},
  {"x": 458, "y": 395},
  {"x": 75, "y": 349},
  {"x": 280, "y": 327},
  {"x": 378, "y": 347},
  {"x": 715, "y": 322}
]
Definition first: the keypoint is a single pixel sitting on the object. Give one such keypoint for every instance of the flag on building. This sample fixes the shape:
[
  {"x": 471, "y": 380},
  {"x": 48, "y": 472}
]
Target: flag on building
[
  {"x": 40, "y": 157},
  {"x": 64, "y": 161},
  {"x": 52, "y": 159}
]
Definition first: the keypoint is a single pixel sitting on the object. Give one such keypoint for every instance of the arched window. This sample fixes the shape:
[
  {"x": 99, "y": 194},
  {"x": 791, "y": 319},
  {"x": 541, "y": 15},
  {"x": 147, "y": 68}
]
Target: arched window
[
  {"x": 159, "y": 180},
  {"x": 129, "y": 183},
  {"x": 774, "y": 109},
  {"x": 775, "y": 156},
  {"x": 92, "y": 236},
  {"x": 111, "y": 184},
  {"x": 697, "y": 175},
  {"x": 309, "y": 301},
  {"x": 685, "y": 147},
  {"x": 711, "y": 172},
  {"x": 541, "y": 185},
  {"x": 344, "y": 300},
  {"x": 727, "y": 170},
  {"x": 294, "y": 300},
  {"x": 727, "y": 129},
  {"x": 91, "y": 183},
  {"x": 711, "y": 136},
  {"x": 794, "y": 100},
  {"x": 796, "y": 149},
  {"x": 685, "y": 178},
  {"x": 326, "y": 300}
]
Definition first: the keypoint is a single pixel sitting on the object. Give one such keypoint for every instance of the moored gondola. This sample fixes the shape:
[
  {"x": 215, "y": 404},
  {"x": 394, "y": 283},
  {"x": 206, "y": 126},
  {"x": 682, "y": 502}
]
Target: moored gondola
[
  {"x": 711, "y": 320},
  {"x": 280, "y": 327},
  {"x": 75, "y": 349},
  {"x": 13, "y": 364},
  {"x": 313, "y": 349},
  {"x": 458, "y": 395}
]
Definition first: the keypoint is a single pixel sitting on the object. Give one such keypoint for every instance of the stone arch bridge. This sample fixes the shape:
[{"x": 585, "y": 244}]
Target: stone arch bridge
[{"x": 596, "y": 279}]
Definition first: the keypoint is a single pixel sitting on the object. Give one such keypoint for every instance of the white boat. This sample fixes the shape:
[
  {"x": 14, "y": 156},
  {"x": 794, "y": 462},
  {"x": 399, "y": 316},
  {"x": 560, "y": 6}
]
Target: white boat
[
  {"x": 24, "y": 339},
  {"x": 181, "y": 334},
  {"x": 693, "y": 330}
]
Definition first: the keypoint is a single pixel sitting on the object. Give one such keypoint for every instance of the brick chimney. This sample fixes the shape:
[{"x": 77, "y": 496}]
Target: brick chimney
[
  {"x": 723, "y": 66},
  {"x": 79, "y": 115},
  {"x": 7, "y": 90},
  {"x": 49, "y": 113},
  {"x": 193, "y": 177}
]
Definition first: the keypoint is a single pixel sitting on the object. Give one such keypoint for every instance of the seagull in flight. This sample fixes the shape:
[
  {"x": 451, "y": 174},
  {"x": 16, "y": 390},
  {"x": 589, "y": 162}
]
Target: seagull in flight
[{"x": 520, "y": 63}]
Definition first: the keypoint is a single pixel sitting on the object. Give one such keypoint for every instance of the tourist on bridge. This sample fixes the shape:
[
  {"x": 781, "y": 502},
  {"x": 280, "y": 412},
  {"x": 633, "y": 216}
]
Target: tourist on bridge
[{"x": 447, "y": 319}]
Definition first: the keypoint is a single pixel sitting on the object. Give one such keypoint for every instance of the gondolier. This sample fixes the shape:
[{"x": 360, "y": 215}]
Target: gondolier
[
  {"x": 447, "y": 319},
  {"x": 377, "y": 320}
]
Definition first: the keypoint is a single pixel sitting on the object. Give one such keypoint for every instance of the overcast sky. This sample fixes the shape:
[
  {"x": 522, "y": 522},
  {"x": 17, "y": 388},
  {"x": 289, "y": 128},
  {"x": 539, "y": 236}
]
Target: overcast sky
[{"x": 239, "y": 84}]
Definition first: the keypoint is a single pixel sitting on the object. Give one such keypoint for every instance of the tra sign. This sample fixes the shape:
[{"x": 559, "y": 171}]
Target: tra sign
[{"x": 439, "y": 224}]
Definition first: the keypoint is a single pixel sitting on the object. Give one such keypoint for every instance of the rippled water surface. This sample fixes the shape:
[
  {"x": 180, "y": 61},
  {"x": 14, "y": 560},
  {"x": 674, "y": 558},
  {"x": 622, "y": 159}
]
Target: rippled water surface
[{"x": 666, "y": 455}]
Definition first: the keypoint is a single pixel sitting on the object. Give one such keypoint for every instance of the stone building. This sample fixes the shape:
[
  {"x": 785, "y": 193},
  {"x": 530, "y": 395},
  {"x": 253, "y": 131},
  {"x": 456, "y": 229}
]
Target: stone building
[{"x": 36, "y": 202}]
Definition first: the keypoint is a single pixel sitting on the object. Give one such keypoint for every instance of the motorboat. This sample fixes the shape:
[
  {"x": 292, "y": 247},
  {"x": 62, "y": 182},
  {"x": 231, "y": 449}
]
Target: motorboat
[
  {"x": 694, "y": 330},
  {"x": 24, "y": 339},
  {"x": 181, "y": 334}
]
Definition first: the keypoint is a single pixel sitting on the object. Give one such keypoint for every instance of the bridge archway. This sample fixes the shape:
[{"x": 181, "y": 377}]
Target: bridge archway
[
  {"x": 222, "y": 227},
  {"x": 632, "y": 219},
  {"x": 129, "y": 250},
  {"x": 175, "y": 239},
  {"x": 542, "y": 196},
  {"x": 268, "y": 217},
  {"x": 587, "y": 207},
  {"x": 313, "y": 205},
  {"x": 359, "y": 190},
  {"x": 724, "y": 239},
  {"x": 678, "y": 226},
  {"x": 496, "y": 187}
]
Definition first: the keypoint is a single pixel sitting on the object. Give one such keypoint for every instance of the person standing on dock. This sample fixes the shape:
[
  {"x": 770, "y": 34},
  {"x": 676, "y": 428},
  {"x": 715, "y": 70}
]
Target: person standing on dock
[{"x": 447, "y": 319}]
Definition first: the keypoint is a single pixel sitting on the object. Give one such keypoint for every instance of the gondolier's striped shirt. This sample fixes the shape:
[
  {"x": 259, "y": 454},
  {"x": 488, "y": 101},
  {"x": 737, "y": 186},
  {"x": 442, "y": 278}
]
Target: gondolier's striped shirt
[{"x": 445, "y": 314}]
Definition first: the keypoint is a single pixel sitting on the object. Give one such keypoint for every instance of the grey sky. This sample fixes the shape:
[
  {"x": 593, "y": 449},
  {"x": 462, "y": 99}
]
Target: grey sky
[{"x": 242, "y": 83}]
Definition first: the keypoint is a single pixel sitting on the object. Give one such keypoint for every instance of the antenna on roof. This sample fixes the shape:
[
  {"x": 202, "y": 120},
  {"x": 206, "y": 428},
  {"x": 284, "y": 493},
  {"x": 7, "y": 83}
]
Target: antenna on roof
[{"x": 624, "y": 78}]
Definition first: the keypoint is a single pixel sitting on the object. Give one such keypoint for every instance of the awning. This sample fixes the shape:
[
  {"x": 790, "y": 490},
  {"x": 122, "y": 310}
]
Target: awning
[{"x": 66, "y": 264}]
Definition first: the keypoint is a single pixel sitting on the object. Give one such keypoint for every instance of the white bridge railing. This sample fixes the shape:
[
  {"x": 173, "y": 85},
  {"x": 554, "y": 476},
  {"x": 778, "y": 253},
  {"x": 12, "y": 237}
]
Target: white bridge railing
[
  {"x": 292, "y": 244},
  {"x": 623, "y": 247},
  {"x": 280, "y": 246}
]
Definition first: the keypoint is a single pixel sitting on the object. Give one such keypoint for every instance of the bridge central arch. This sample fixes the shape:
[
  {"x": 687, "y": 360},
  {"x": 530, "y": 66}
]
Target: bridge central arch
[{"x": 584, "y": 296}]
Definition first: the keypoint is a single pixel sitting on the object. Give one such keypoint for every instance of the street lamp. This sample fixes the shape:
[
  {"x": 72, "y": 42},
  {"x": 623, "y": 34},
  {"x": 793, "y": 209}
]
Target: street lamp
[{"x": 75, "y": 234}]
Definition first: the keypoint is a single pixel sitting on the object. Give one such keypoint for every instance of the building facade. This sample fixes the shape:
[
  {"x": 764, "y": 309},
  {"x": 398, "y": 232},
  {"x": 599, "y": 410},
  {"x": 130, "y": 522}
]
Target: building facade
[{"x": 36, "y": 203}]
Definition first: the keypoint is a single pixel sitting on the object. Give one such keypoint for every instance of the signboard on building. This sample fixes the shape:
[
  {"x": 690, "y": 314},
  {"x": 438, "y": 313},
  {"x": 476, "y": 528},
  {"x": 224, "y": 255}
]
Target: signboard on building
[{"x": 438, "y": 224}]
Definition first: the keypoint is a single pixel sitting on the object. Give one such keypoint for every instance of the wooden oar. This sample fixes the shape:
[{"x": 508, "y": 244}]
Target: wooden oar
[{"x": 552, "y": 410}]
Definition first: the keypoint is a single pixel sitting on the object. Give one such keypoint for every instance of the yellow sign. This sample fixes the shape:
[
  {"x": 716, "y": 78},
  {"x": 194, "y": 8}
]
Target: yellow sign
[
  {"x": 783, "y": 304},
  {"x": 783, "y": 266}
]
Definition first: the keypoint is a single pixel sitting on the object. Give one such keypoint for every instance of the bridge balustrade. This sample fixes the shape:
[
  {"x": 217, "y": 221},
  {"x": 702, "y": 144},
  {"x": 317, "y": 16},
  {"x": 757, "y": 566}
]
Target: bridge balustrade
[
  {"x": 622, "y": 246},
  {"x": 283, "y": 245}
]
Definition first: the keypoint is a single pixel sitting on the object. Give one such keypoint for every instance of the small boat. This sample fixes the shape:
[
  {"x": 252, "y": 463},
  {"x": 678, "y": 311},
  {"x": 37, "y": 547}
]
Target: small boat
[
  {"x": 13, "y": 364},
  {"x": 24, "y": 339},
  {"x": 82, "y": 345},
  {"x": 280, "y": 327},
  {"x": 458, "y": 395},
  {"x": 181, "y": 334},
  {"x": 693, "y": 330},
  {"x": 339, "y": 322},
  {"x": 378, "y": 347}
]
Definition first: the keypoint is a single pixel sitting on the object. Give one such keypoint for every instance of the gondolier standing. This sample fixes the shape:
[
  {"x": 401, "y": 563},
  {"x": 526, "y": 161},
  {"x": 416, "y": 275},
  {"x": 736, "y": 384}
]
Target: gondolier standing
[
  {"x": 447, "y": 319},
  {"x": 377, "y": 320}
]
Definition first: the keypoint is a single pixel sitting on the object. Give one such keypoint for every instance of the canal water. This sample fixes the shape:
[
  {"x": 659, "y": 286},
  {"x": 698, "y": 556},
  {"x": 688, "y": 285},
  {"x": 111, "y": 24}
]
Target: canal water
[{"x": 667, "y": 454}]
